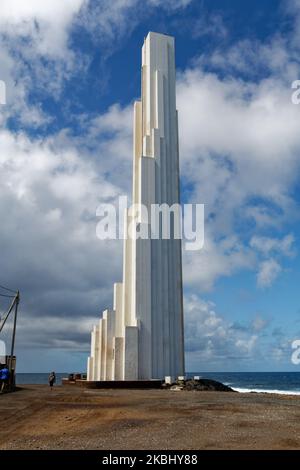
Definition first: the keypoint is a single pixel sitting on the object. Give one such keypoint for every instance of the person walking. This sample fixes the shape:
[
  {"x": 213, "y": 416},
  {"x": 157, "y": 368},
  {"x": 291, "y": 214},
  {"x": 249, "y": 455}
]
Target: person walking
[
  {"x": 52, "y": 379},
  {"x": 4, "y": 378},
  {"x": 1, "y": 381}
]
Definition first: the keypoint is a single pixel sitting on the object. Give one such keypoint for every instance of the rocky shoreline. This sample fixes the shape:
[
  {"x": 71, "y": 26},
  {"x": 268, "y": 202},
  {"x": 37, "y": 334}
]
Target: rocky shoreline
[{"x": 199, "y": 385}]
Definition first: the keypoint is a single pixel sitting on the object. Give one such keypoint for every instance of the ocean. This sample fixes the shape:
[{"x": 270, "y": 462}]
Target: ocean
[
  {"x": 269, "y": 382},
  {"x": 287, "y": 383},
  {"x": 38, "y": 379}
]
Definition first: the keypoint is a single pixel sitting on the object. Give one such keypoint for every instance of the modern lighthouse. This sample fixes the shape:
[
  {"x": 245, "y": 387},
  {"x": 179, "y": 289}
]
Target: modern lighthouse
[{"x": 141, "y": 338}]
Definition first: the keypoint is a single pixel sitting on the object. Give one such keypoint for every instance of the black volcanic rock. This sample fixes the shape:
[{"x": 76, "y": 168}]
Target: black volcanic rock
[
  {"x": 207, "y": 385},
  {"x": 202, "y": 385}
]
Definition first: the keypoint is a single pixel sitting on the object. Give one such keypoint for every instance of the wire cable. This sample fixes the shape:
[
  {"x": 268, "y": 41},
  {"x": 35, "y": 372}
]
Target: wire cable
[{"x": 6, "y": 288}]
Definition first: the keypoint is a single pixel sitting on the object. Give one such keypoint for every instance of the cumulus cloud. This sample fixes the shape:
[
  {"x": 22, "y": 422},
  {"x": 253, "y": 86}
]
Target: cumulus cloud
[
  {"x": 239, "y": 144},
  {"x": 210, "y": 338},
  {"x": 268, "y": 245},
  {"x": 268, "y": 272},
  {"x": 36, "y": 49},
  {"x": 108, "y": 22},
  {"x": 53, "y": 185},
  {"x": 172, "y": 4},
  {"x": 236, "y": 134},
  {"x": 46, "y": 23},
  {"x": 259, "y": 323},
  {"x": 49, "y": 249},
  {"x": 35, "y": 54},
  {"x": 265, "y": 129},
  {"x": 218, "y": 258},
  {"x": 212, "y": 25}
]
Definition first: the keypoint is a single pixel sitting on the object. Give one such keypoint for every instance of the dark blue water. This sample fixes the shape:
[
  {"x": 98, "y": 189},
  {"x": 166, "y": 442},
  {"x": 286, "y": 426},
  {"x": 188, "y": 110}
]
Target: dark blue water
[
  {"x": 38, "y": 379},
  {"x": 276, "y": 382}
]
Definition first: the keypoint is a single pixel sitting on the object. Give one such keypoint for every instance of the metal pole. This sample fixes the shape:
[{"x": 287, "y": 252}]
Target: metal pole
[
  {"x": 17, "y": 300},
  {"x": 7, "y": 314}
]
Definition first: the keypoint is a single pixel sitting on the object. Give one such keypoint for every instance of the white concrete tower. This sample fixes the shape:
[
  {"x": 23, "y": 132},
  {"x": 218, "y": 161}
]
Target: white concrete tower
[{"x": 142, "y": 337}]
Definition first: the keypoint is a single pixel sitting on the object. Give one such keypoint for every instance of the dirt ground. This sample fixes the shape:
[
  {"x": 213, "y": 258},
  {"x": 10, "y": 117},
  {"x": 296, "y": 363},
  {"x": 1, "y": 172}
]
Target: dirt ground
[{"x": 75, "y": 418}]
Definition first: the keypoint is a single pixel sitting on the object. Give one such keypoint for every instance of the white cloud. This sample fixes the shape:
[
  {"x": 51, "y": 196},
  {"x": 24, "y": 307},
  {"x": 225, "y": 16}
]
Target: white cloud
[
  {"x": 265, "y": 129},
  {"x": 246, "y": 345},
  {"x": 210, "y": 338},
  {"x": 268, "y": 272},
  {"x": 259, "y": 323},
  {"x": 277, "y": 245},
  {"x": 35, "y": 48},
  {"x": 172, "y": 4},
  {"x": 107, "y": 138},
  {"x": 16, "y": 93},
  {"x": 212, "y": 25},
  {"x": 217, "y": 258},
  {"x": 292, "y": 7},
  {"x": 56, "y": 332},
  {"x": 46, "y": 22},
  {"x": 240, "y": 144},
  {"x": 239, "y": 141},
  {"x": 35, "y": 54},
  {"x": 48, "y": 244},
  {"x": 108, "y": 22}
]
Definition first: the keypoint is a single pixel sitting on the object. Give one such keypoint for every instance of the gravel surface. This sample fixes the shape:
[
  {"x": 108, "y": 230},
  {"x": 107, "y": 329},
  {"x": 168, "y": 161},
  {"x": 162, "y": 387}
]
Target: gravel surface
[{"x": 76, "y": 418}]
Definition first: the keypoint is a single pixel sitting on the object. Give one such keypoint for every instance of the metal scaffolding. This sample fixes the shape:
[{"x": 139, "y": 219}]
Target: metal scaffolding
[{"x": 12, "y": 310}]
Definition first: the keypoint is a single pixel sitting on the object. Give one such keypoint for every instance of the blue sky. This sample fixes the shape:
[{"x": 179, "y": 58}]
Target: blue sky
[{"x": 72, "y": 72}]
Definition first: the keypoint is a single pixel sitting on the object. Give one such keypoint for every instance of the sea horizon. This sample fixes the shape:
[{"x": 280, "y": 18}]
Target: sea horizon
[{"x": 285, "y": 383}]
